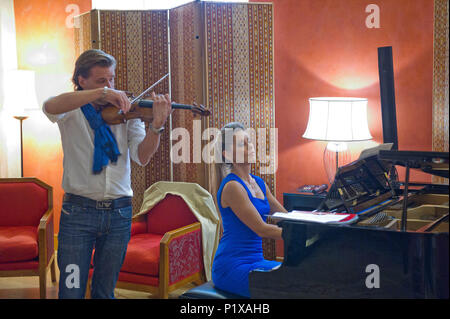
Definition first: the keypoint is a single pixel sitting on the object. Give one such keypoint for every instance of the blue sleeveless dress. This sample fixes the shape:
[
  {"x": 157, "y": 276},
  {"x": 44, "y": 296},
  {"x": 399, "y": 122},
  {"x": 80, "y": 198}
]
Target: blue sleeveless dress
[{"x": 240, "y": 248}]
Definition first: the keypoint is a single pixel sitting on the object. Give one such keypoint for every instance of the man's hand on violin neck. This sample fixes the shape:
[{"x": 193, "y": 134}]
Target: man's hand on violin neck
[
  {"x": 162, "y": 107},
  {"x": 117, "y": 98}
]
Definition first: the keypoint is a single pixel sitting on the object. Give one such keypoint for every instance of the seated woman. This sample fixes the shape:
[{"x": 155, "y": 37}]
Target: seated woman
[{"x": 244, "y": 201}]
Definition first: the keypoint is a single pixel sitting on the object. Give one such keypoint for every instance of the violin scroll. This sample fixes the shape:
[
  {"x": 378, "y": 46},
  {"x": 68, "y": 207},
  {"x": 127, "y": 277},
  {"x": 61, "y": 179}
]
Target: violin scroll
[{"x": 199, "y": 109}]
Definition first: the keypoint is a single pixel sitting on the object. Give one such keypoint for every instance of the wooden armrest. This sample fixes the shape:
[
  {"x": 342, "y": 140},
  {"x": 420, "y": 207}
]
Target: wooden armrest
[
  {"x": 45, "y": 219},
  {"x": 45, "y": 238},
  {"x": 171, "y": 235},
  {"x": 164, "y": 249}
]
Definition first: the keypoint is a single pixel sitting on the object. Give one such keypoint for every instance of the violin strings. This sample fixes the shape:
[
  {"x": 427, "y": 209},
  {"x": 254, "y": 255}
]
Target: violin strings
[{"x": 148, "y": 89}]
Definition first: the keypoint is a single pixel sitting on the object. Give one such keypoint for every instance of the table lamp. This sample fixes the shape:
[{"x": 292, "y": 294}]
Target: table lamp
[{"x": 337, "y": 120}]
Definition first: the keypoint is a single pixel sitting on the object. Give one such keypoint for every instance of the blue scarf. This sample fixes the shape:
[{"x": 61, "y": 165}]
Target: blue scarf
[{"x": 105, "y": 145}]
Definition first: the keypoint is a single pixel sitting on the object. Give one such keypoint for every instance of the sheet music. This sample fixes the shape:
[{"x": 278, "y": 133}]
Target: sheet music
[
  {"x": 319, "y": 217},
  {"x": 375, "y": 150}
]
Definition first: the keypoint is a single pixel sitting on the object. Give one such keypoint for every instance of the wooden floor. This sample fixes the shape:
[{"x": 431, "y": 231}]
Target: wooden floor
[{"x": 28, "y": 288}]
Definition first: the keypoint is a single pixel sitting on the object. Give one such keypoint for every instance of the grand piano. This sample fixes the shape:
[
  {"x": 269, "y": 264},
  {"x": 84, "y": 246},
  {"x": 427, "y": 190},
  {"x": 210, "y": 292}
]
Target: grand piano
[{"x": 397, "y": 248}]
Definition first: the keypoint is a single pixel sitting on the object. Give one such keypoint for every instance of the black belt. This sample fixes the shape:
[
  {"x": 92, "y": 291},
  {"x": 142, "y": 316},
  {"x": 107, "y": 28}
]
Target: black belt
[{"x": 97, "y": 204}]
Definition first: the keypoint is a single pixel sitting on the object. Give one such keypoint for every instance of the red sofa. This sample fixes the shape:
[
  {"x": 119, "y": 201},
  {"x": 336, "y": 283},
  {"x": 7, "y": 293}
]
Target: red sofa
[
  {"x": 26, "y": 230},
  {"x": 165, "y": 250}
]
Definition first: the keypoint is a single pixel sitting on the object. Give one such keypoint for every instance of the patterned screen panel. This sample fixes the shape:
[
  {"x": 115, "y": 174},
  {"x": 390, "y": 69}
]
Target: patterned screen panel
[
  {"x": 440, "y": 81},
  {"x": 239, "y": 74},
  {"x": 82, "y": 33},
  {"x": 186, "y": 66},
  {"x": 139, "y": 41}
]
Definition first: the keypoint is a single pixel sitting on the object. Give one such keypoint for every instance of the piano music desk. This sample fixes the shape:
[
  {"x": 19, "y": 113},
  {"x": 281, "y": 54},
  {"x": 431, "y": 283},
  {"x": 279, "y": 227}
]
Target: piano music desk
[
  {"x": 302, "y": 201},
  {"x": 291, "y": 201}
]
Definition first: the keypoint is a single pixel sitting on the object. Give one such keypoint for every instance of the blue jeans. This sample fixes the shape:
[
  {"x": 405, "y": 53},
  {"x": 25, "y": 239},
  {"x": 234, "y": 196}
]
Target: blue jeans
[{"x": 81, "y": 229}]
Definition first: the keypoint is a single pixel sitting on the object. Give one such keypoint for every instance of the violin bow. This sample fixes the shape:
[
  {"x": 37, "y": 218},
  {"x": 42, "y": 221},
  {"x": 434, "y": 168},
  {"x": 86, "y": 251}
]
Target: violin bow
[
  {"x": 196, "y": 109},
  {"x": 149, "y": 88}
]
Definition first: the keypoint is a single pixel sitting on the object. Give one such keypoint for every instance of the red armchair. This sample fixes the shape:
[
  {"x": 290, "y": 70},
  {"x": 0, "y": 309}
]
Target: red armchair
[
  {"x": 26, "y": 230},
  {"x": 165, "y": 250}
]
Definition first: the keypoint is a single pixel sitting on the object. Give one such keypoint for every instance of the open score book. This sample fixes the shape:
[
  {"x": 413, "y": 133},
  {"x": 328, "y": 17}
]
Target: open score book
[{"x": 318, "y": 217}]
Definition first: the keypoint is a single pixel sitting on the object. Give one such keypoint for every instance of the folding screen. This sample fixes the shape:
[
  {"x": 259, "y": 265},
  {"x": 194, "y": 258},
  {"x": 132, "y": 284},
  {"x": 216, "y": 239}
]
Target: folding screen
[{"x": 220, "y": 55}]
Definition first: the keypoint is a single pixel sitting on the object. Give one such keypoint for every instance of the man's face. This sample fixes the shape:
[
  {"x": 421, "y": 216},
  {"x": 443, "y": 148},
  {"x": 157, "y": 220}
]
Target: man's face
[{"x": 99, "y": 77}]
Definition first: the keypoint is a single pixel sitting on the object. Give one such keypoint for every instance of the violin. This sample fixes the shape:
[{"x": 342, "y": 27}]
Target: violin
[{"x": 142, "y": 109}]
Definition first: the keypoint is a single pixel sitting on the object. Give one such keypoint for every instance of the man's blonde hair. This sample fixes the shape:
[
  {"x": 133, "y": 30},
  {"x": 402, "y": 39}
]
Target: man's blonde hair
[{"x": 86, "y": 61}]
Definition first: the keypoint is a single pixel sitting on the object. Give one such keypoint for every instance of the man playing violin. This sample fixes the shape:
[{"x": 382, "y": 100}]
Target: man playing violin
[{"x": 96, "y": 210}]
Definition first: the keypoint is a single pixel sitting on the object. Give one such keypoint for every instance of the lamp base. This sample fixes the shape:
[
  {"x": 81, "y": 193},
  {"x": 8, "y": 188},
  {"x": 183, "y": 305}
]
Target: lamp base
[{"x": 335, "y": 155}]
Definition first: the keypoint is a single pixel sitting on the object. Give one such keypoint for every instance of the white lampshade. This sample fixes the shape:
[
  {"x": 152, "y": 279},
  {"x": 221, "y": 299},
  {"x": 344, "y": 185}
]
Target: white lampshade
[
  {"x": 20, "y": 91},
  {"x": 339, "y": 119}
]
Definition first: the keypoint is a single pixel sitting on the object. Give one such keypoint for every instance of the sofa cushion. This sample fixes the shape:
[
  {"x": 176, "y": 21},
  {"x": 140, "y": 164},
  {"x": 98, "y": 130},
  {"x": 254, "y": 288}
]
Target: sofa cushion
[
  {"x": 18, "y": 243},
  {"x": 170, "y": 213},
  {"x": 143, "y": 255},
  {"x": 23, "y": 204}
]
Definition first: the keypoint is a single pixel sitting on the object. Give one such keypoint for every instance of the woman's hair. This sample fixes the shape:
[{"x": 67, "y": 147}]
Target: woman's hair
[
  {"x": 224, "y": 141},
  {"x": 87, "y": 60}
]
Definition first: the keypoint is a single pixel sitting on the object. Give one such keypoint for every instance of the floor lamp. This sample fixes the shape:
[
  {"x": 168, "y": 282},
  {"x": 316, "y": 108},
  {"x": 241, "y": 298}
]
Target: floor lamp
[
  {"x": 337, "y": 120},
  {"x": 21, "y": 83}
]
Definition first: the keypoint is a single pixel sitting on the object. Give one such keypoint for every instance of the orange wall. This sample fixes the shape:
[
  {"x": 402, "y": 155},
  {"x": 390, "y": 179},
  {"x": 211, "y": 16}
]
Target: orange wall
[
  {"x": 323, "y": 48},
  {"x": 45, "y": 44}
]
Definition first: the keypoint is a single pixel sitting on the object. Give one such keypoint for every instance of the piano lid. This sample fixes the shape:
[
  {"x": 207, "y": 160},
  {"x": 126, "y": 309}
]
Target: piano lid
[
  {"x": 360, "y": 185},
  {"x": 435, "y": 163}
]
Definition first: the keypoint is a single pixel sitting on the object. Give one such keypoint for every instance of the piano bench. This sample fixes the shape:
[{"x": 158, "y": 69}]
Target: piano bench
[{"x": 208, "y": 291}]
